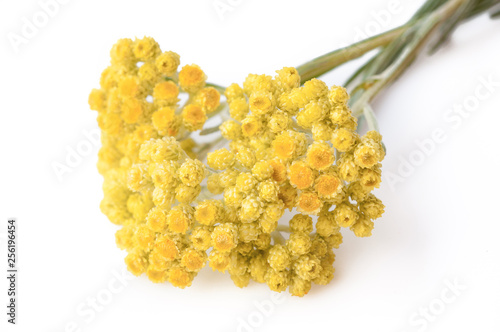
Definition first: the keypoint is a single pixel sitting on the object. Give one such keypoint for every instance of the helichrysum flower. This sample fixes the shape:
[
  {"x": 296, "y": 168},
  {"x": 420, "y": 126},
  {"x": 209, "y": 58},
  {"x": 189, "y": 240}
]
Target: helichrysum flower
[
  {"x": 166, "y": 93},
  {"x": 208, "y": 99},
  {"x": 132, "y": 109},
  {"x": 279, "y": 121},
  {"x": 348, "y": 170},
  {"x": 165, "y": 174},
  {"x": 345, "y": 215},
  {"x": 326, "y": 225},
  {"x": 246, "y": 157},
  {"x": 277, "y": 281},
  {"x": 164, "y": 119},
  {"x": 193, "y": 260},
  {"x": 209, "y": 212},
  {"x": 233, "y": 197},
  {"x": 290, "y": 147},
  {"x": 238, "y": 108},
  {"x": 299, "y": 287},
  {"x": 279, "y": 170},
  {"x": 309, "y": 202},
  {"x": 328, "y": 185},
  {"x": 261, "y": 102},
  {"x": 201, "y": 238},
  {"x": 372, "y": 207},
  {"x": 124, "y": 238},
  {"x": 241, "y": 280},
  {"x": 326, "y": 274},
  {"x": 338, "y": 95},
  {"x": 288, "y": 195},
  {"x": 156, "y": 276},
  {"x": 146, "y": 49},
  {"x": 362, "y": 227},
  {"x": 144, "y": 237},
  {"x": 370, "y": 178},
  {"x": 225, "y": 237},
  {"x": 214, "y": 185},
  {"x": 319, "y": 246},
  {"x": 137, "y": 177},
  {"x": 166, "y": 247},
  {"x": 299, "y": 243},
  {"x": 167, "y": 63},
  {"x": 186, "y": 194},
  {"x": 307, "y": 267},
  {"x": 180, "y": 277},
  {"x": 301, "y": 223},
  {"x": 262, "y": 170},
  {"x": 245, "y": 182},
  {"x": 192, "y": 172},
  {"x": 258, "y": 266},
  {"x": 313, "y": 112},
  {"x": 301, "y": 175},
  {"x": 251, "y": 126},
  {"x": 279, "y": 259},
  {"x": 251, "y": 209},
  {"x": 220, "y": 159},
  {"x": 194, "y": 117},
  {"x": 180, "y": 218},
  {"x": 191, "y": 78},
  {"x": 368, "y": 153},
  {"x": 230, "y": 130},
  {"x": 268, "y": 191},
  {"x": 322, "y": 131},
  {"x": 136, "y": 263},
  {"x": 248, "y": 232},
  {"x": 287, "y": 79},
  {"x": 319, "y": 156},
  {"x": 239, "y": 264},
  {"x": 219, "y": 261},
  {"x": 343, "y": 139},
  {"x": 122, "y": 52},
  {"x": 233, "y": 91},
  {"x": 156, "y": 220}
]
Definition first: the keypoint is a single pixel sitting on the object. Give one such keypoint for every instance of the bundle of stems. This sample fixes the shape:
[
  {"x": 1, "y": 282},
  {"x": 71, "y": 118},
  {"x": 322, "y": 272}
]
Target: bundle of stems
[{"x": 431, "y": 26}]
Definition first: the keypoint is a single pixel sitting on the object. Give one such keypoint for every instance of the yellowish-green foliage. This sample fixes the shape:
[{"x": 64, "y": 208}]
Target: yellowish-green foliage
[{"x": 289, "y": 147}]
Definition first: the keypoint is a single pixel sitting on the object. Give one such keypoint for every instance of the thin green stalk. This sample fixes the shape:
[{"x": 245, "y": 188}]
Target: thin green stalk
[
  {"x": 423, "y": 34},
  {"x": 329, "y": 61},
  {"x": 359, "y": 71},
  {"x": 371, "y": 120}
]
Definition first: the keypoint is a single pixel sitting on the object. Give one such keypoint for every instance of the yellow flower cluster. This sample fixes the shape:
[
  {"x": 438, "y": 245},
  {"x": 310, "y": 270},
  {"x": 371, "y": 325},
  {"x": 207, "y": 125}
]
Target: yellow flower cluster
[
  {"x": 290, "y": 147},
  {"x": 139, "y": 99}
]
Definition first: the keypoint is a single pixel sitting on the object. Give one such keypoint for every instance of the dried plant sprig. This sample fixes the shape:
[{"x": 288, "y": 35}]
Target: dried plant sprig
[{"x": 291, "y": 142}]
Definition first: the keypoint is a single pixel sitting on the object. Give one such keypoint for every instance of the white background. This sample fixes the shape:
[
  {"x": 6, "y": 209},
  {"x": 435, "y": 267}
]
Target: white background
[{"x": 441, "y": 223}]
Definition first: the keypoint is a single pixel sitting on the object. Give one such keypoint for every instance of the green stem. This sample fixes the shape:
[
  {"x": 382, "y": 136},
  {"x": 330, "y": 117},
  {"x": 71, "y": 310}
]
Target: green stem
[
  {"x": 425, "y": 29},
  {"x": 371, "y": 120},
  {"x": 208, "y": 131},
  {"x": 329, "y": 61}
]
